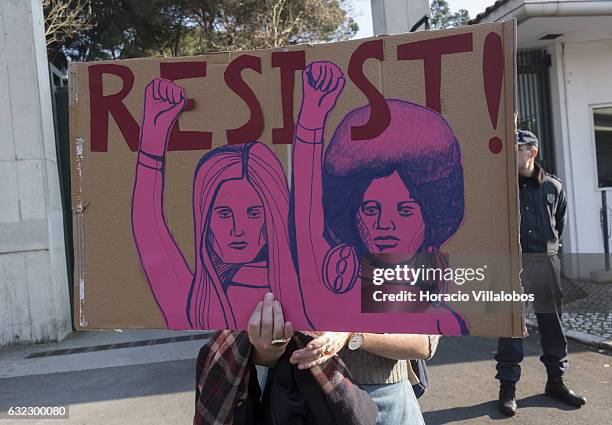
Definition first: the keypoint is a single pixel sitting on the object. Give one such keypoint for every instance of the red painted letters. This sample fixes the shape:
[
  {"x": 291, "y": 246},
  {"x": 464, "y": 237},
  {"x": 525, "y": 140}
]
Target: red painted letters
[
  {"x": 181, "y": 140},
  {"x": 101, "y": 106},
  {"x": 379, "y": 112},
  {"x": 254, "y": 127},
  {"x": 431, "y": 51},
  {"x": 289, "y": 62}
]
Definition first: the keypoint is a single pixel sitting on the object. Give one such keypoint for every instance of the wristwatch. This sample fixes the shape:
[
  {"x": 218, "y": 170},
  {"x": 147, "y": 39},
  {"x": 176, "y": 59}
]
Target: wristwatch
[{"x": 355, "y": 341}]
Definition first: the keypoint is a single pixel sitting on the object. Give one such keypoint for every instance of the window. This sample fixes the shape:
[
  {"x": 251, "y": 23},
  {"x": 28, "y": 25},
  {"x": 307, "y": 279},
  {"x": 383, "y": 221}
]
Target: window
[{"x": 602, "y": 119}]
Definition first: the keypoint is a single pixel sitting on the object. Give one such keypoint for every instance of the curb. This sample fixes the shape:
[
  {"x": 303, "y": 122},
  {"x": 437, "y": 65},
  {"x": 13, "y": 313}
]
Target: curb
[{"x": 583, "y": 337}]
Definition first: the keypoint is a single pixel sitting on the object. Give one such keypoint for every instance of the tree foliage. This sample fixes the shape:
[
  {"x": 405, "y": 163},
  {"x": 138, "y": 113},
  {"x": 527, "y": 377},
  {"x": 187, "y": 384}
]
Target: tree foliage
[
  {"x": 135, "y": 28},
  {"x": 64, "y": 18},
  {"x": 441, "y": 16}
]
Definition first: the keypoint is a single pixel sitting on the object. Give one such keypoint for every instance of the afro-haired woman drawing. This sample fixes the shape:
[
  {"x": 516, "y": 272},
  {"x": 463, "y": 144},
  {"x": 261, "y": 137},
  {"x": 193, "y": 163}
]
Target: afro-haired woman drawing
[{"x": 401, "y": 193}]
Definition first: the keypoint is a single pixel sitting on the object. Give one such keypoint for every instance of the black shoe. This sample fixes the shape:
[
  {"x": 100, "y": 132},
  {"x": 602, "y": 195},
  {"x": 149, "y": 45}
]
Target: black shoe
[
  {"x": 556, "y": 388},
  {"x": 507, "y": 398}
]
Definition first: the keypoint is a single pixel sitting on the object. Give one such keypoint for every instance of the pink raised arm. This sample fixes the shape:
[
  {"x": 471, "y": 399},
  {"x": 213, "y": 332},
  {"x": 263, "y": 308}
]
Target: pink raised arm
[
  {"x": 161, "y": 259},
  {"x": 322, "y": 83}
]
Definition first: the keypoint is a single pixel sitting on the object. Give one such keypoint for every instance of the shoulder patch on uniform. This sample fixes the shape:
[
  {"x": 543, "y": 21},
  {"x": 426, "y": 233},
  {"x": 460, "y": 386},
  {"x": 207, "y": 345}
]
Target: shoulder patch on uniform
[{"x": 554, "y": 177}]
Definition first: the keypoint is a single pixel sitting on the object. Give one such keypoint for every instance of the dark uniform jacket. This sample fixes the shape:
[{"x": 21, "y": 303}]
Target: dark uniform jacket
[{"x": 543, "y": 209}]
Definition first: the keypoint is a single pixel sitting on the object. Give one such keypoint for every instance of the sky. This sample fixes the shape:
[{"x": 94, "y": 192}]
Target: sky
[{"x": 363, "y": 13}]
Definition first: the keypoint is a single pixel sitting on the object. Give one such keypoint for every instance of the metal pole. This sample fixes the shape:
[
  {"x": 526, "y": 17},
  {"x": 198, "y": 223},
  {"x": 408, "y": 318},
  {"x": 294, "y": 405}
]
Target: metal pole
[
  {"x": 604, "y": 226},
  {"x": 423, "y": 20}
]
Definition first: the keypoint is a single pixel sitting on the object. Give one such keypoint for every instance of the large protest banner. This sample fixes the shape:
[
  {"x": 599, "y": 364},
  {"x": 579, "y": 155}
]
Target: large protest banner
[{"x": 369, "y": 184}]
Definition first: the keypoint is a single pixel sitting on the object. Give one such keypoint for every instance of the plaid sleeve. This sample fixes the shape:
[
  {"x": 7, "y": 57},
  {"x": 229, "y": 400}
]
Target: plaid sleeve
[{"x": 222, "y": 376}]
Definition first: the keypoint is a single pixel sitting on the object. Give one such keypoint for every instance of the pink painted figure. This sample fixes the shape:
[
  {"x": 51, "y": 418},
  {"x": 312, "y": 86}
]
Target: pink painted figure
[
  {"x": 240, "y": 216},
  {"x": 401, "y": 193}
]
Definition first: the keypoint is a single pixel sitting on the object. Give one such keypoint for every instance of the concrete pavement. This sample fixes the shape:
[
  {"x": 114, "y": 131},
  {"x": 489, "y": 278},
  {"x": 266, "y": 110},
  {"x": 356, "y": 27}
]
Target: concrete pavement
[
  {"x": 128, "y": 386},
  {"x": 463, "y": 389},
  {"x": 127, "y": 378}
]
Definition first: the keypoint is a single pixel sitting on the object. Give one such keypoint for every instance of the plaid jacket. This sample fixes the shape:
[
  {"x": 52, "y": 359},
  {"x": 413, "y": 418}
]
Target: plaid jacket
[{"x": 223, "y": 372}]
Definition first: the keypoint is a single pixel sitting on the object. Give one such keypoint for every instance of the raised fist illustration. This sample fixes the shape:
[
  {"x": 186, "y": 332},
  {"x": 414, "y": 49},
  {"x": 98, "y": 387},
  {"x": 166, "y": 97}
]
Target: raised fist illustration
[
  {"x": 164, "y": 101},
  {"x": 322, "y": 83}
]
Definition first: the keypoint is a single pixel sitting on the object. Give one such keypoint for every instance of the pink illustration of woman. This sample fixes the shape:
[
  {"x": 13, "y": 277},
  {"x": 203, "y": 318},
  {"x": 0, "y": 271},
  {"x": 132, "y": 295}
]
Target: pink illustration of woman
[
  {"x": 401, "y": 192},
  {"x": 240, "y": 217}
]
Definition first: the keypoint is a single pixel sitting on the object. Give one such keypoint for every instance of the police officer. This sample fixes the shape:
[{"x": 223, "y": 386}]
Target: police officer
[{"x": 543, "y": 205}]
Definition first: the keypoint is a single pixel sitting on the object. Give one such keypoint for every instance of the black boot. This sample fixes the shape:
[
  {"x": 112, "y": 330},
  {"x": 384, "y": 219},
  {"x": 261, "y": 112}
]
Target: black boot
[
  {"x": 507, "y": 398},
  {"x": 556, "y": 388}
]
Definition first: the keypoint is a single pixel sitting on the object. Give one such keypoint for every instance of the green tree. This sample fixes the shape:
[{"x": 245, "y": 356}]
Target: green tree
[
  {"x": 255, "y": 24},
  {"x": 136, "y": 28},
  {"x": 441, "y": 16}
]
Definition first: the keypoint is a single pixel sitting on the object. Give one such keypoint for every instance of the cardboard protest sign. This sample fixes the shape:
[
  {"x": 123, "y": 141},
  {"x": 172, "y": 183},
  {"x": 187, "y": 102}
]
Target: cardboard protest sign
[{"x": 369, "y": 184}]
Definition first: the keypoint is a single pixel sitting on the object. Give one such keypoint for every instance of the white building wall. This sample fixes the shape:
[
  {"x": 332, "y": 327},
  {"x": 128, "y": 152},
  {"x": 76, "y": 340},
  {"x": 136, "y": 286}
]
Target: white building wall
[
  {"x": 397, "y": 16},
  {"x": 561, "y": 141},
  {"x": 34, "y": 299},
  {"x": 580, "y": 79}
]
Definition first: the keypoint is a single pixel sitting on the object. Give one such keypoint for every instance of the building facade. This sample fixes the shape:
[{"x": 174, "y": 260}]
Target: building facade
[
  {"x": 569, "y": 106},
  {"x": 34, "y": 294}
]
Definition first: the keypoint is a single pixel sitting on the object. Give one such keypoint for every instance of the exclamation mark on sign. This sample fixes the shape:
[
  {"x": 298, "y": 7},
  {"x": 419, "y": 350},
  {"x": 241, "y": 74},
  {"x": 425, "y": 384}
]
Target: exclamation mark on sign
[{"x": 493, "y": 75}]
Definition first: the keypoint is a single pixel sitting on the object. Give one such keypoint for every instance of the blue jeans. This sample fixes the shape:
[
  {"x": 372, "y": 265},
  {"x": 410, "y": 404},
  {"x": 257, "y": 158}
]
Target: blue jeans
[{"x": 397, "y": 404}]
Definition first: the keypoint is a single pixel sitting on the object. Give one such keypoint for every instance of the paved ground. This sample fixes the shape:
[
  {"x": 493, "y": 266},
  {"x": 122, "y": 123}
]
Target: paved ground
[
  {"x": 588, "y": 307},
  {"x": 463, "y": 390},
  {"x": 154, "y": 384}
]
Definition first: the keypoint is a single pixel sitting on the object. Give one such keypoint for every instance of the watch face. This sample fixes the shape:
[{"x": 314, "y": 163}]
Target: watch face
[{"x": 355, "y": 342}]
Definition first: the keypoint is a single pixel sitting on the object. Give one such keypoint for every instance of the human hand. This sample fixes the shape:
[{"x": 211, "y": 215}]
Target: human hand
[
  {"x": 267, "y": 323},
  {"x": 322, "y": 83},
  {"x": 164, "y": 101},
  {"x": 324, "y": 346}
]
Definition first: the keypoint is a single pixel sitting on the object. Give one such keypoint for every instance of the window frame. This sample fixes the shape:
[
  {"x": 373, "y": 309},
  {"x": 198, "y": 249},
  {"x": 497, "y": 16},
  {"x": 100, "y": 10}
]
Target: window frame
[{"x": 592, "y": 108}]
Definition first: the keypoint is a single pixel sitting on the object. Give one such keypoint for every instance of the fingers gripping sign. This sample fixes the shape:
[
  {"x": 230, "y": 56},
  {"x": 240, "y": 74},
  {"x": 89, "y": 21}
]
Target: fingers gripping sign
[{"x": 268, "y": 332}]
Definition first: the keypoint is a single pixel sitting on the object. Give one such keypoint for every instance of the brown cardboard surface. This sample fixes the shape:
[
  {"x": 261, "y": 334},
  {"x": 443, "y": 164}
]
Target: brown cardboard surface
[{"x": 111, "y": 290}]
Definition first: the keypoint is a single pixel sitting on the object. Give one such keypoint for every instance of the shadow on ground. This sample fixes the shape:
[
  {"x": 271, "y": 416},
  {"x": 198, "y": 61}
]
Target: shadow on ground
[
  {"x": 489, "y": 410},
  {"x": 475, "y": 349},
  {"x": 98, "y": 384}
]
